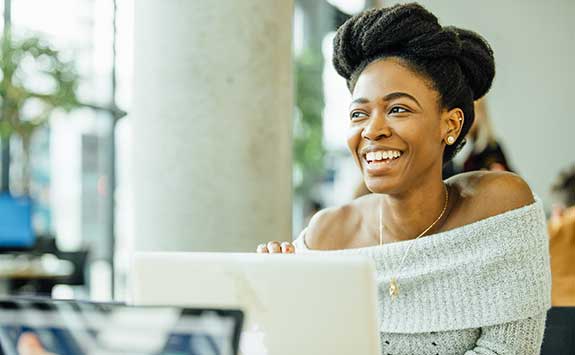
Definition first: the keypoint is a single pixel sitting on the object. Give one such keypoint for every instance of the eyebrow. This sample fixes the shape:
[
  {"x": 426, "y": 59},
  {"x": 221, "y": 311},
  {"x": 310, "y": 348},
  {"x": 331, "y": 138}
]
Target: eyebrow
[{"x": 388, "y": 97}]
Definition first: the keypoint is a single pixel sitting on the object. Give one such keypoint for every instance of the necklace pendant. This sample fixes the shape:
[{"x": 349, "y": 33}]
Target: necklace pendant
[{"x": 393, "y": 288}]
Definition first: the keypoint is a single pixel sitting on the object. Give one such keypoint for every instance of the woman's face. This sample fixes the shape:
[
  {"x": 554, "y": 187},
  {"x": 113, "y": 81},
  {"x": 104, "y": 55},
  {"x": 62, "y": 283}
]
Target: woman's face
[{"x": 397, "y": 128}]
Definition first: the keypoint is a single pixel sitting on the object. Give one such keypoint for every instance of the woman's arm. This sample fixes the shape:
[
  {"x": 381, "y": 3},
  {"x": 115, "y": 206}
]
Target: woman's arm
[{"x": 522, "y": 337}]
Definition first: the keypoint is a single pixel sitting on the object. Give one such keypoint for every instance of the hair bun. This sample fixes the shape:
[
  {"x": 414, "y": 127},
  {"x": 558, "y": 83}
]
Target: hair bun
[
  {"x": 411, "y": 30},
  {"x": 475, "y": 59},
  {"x": 381, "y": 31}
]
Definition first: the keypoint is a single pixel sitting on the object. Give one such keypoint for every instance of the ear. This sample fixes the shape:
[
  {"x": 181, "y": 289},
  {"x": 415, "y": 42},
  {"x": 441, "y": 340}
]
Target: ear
[{"x": 451, "y": 124}]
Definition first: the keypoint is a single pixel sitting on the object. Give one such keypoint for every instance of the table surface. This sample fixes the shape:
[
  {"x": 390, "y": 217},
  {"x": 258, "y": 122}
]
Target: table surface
[{"x": 37, "y": 267}]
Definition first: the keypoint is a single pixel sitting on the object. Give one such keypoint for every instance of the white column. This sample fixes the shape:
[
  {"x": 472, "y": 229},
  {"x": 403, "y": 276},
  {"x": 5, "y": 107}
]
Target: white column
[{"x": 212, "y": 118}]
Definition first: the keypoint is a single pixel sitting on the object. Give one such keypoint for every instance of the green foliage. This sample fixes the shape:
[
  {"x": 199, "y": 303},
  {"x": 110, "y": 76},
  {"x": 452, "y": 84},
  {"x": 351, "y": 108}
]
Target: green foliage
[
  {"x": 35, "y": 82},
  {"x": 23, "y": 108},
  {"x": 308, "y": 129}
]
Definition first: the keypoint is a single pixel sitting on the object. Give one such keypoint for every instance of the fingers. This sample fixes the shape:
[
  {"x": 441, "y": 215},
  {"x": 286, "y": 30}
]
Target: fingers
[
  {"x": 274, "y": 247},
  {"x": 262, "y": 249},
  {"x": 287, "y": 248}
]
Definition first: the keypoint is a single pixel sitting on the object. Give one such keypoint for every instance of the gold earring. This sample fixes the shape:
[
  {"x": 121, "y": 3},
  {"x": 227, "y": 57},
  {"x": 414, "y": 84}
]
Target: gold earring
[{"x": 450, "y": 140}]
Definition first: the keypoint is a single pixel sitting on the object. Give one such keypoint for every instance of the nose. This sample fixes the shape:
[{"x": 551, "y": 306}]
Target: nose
[{"x": 376, "y": 129}]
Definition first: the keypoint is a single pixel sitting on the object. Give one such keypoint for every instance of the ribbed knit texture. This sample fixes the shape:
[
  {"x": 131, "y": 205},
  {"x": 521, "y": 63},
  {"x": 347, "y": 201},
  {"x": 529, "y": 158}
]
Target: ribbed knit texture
[{"x": 483, "y": 288}]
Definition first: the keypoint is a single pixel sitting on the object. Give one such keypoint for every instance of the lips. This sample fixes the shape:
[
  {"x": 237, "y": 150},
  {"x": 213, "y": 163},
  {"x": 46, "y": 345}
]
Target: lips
[{"x": 380, "y": 160}]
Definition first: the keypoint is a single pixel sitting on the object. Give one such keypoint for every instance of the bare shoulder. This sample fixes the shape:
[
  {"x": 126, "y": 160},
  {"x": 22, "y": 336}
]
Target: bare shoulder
[
  {"x": 489, "y": 193},
  {"x": 331, "y": 228}
]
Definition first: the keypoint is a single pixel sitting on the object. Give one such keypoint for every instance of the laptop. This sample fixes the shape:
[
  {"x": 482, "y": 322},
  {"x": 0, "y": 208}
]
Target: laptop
[
  {"x": 83, "y": 328},
  {"x": 293, "y": 304}
]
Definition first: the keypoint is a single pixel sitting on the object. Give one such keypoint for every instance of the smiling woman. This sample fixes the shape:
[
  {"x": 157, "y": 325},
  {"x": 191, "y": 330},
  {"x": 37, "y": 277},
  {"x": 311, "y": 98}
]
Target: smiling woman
[
  {"x": 479, "y": 282},
  {"x": 398, "y": 115}
]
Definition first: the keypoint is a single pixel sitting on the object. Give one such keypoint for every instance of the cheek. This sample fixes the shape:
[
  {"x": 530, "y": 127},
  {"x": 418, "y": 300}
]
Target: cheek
[
  {"x": 426, "y": 140},
  {"x": 353, "y": 140}
]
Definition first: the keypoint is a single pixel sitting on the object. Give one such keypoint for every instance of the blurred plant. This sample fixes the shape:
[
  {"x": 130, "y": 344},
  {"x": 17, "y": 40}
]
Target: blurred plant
[
  {"x": 308, "y": 126},
  {"x": 35, "y": 82}
]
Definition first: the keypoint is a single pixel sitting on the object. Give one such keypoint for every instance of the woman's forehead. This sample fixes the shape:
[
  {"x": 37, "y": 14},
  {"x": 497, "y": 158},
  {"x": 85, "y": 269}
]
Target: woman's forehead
[{"x": 385, "y": 76}]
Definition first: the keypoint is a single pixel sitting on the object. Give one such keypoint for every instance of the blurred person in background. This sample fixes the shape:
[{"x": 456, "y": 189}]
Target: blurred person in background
[
  {"x": 482, "y": 151},
  {"x": 562, "y": 240}
]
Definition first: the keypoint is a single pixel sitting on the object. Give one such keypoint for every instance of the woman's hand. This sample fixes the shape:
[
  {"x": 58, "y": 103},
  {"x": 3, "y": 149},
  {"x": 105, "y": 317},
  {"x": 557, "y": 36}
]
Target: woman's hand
[{"x": 275, "y": 247}]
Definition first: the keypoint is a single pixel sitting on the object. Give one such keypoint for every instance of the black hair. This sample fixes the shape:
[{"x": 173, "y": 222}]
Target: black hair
[
  {"x": 564, "y": 187},
  {"x": 458, "y": 63}
]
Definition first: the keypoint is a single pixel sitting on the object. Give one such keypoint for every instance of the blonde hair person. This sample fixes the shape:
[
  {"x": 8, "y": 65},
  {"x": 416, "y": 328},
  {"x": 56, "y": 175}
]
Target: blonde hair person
[
  {"x": 482, "y": 129},
  {"x": 482, "y": 151}
]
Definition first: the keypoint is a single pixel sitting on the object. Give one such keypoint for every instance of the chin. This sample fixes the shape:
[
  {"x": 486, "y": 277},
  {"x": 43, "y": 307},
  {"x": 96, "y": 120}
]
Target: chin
[{"x": 380, "y": 185}]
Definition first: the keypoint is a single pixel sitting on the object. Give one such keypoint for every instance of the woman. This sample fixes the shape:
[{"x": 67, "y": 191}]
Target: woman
[{"x": 462, "y": 264}]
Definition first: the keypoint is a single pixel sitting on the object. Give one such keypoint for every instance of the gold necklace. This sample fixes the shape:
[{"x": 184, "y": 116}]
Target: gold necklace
[{"x": 393, "y": 285}]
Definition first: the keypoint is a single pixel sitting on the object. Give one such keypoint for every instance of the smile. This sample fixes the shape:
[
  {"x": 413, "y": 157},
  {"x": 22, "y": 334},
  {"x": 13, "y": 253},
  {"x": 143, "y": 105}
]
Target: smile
[{"x": 382, "y": 156}]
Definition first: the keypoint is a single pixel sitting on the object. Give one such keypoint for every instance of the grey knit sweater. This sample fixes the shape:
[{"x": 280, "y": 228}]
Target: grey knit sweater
[{"x": 480, "y": 289}]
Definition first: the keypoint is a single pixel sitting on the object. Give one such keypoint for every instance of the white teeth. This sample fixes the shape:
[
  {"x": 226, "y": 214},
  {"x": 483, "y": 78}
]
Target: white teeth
[{"x": 383, "y": 155}]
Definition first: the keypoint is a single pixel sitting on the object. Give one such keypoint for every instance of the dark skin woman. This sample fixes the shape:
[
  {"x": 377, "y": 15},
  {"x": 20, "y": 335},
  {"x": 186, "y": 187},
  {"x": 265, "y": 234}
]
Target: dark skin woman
[
  {"x": 397, "y": 110},
  {"x": 462, "y": 265}
]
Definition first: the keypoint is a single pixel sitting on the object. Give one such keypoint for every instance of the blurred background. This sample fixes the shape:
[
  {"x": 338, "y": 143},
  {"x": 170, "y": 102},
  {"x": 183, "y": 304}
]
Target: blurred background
[{"x": 79, "y": 162}]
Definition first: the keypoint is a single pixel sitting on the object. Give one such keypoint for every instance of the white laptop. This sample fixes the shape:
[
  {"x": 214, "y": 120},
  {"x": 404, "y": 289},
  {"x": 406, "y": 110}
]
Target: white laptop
[{"x": 294, "y": 304}]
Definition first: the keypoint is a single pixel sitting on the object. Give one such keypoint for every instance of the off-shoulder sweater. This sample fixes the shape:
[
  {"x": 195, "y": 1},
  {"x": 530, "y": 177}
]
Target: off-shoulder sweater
[{"x": 480, "y": 289}]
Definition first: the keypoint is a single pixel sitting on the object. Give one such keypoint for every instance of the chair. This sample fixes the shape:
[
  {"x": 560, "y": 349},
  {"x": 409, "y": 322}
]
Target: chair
[{"x": 559, "y": 338}]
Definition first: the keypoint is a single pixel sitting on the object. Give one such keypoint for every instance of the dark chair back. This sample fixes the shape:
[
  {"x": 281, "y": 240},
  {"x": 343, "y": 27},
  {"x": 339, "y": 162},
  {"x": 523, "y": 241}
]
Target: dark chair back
[{"x": 559, "y": 338}]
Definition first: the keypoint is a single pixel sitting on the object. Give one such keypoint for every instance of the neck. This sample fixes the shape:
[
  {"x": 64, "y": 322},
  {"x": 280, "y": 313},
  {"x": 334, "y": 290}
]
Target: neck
[{"x": 406, "y": 215}]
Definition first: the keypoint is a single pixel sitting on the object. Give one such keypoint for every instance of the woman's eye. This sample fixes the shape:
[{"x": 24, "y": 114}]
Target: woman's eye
[
  {"x": 357, "y": 114},
  {"x": 398, "y": 109}
]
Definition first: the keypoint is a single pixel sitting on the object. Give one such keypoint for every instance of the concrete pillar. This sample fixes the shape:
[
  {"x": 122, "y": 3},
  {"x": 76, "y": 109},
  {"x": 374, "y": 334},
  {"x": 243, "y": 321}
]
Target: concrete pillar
[{"x": 212, "y": 118}]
